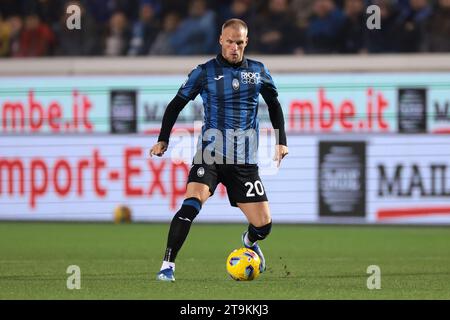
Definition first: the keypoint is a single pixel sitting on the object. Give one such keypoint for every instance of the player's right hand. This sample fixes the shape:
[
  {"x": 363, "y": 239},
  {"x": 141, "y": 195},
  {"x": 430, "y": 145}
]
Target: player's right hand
[{"x": 158, "y": 149}]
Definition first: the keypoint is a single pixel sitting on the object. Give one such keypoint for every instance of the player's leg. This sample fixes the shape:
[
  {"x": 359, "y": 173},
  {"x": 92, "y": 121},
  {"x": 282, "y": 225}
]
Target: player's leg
[
  {"x": 202, "y": 182},
  {"x": 196, "y": 195},
  {"x": 257, "y": 213},
  {"x": 246, "y": 191},
  {"x": 260, "y": 225}
]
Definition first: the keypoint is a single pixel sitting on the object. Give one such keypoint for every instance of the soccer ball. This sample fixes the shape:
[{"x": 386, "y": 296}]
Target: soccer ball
[
  {"x": 243, "y": 264},
  {"x": 122, "y": 214}
]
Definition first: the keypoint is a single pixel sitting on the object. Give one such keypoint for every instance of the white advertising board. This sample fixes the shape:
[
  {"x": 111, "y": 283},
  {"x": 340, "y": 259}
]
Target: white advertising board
[
  {"x": 409, "y": 179},
  {"x": 79, "y": 178},
  {"x": 374, "y": 179}
]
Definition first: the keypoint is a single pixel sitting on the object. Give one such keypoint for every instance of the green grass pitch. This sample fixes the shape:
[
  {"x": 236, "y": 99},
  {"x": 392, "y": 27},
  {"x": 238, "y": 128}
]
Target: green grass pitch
[{"x": 304, "y": 262}]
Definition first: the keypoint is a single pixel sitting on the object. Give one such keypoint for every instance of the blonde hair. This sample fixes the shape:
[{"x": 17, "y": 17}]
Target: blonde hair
[{"x": 234, "y": 23}]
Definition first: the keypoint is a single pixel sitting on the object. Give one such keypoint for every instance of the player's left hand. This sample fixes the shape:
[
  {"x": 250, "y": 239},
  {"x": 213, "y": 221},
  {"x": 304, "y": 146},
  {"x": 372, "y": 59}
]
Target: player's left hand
[{"x": 280, "y": 152}]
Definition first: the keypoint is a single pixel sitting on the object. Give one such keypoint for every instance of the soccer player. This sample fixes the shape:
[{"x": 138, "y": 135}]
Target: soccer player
[{"x": 229, "y": 85}]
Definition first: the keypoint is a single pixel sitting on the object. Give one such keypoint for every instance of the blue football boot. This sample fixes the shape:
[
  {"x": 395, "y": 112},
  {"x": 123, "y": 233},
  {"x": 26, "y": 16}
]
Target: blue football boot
[
  {"x": 166, "y": 275},
  {"x": 257, "y": 249}
]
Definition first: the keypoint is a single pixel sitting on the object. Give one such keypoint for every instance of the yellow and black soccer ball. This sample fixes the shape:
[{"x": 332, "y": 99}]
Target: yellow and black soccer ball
[{"x": 243, "y": 264}]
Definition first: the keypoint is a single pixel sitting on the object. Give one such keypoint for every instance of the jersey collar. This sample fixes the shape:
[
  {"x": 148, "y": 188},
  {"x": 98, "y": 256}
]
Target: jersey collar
[{"x": 224, "y": 63}]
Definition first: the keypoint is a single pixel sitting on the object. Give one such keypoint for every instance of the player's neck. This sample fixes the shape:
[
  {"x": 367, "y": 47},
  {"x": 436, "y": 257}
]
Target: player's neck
[{"x": 222, "y": 60}]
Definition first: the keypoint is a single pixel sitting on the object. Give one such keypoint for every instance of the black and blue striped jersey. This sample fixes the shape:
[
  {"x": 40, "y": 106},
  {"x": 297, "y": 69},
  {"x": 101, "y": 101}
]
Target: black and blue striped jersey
[{"x": 230, "y": 97}]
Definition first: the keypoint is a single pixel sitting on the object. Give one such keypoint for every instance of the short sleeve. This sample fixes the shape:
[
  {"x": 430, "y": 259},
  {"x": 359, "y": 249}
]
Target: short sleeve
[
  {"x": 193, "y": 84},
  {"x": 268, "y": 88}
]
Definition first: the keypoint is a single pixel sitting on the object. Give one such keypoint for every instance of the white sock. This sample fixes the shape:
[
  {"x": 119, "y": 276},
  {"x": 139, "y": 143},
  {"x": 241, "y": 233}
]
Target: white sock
[
  {"x": 247, "y": 242},
  {"x": 167, "y": 264}
]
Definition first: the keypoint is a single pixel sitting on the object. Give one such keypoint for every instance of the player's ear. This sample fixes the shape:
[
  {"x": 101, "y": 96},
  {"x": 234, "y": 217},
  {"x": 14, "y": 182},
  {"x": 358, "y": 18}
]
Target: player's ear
[{"x": 221, "y": 40}]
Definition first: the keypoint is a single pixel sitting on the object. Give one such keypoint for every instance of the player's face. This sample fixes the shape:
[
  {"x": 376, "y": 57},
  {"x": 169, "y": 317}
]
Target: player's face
[{"x": 233, "y": 42}]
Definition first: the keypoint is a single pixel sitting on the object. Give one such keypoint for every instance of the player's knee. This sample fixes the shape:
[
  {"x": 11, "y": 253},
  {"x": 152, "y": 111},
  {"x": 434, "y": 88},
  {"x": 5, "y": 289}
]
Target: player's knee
[
  {"x": 260, "y": 233},
  {"x": 189, "y": 209},
  {"x": 266, "y": 220},
  {"x": 197, "y": 190},
  {"x": 261, "y": 220}
]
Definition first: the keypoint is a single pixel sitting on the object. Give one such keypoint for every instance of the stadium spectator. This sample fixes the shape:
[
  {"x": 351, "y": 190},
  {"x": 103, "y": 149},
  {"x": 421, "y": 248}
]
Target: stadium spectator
[
  {"x": 383, "y": 40},
  {"x": 197, "y": 33},
  {"x": 4, "y": 37},
  {"x": 155, "y": 4},
  {"x": 82, "y": 42},
  {"x": 303, "y": 9},
  {"x": 163, "y": 42},
  {"x": 36, "y": 38},
  {"x": 324, "y": 28},
  {"x": 239, "y": 9},
  {"x": 402, "y": 4},
  {"x": 410, "y": 26},
  {"x": 437, "y": 37},
  {"x": 14, "y": 25},
  {"x": 103, "y": 10},
  {"x": 171, "y": 6},
  {"x": 142, "y": 27},
  {"x": 144, "y": 30},
  {"x": 275, "y": 30},
  {"x": 118, "y": 35},
  {"x": 49, "y": 11},
  {"x": 353, "y": 30}
]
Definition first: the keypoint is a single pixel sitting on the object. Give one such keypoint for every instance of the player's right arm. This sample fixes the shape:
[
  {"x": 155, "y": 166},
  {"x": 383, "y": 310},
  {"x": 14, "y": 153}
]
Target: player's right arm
[
  {"x": 170, "y": 117},
  {"x": 188, "y": 91}
]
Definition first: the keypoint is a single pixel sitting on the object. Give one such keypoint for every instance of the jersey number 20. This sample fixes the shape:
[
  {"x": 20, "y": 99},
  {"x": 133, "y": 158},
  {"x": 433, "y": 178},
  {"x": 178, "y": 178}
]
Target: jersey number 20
[{"x": 257, "y": 186}]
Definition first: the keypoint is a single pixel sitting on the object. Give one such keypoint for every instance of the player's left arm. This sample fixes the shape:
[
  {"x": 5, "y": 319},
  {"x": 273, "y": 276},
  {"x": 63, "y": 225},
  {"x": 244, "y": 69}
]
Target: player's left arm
[
  {"x": 277, "y": 120},
  {"x": 270, "y": 96}
]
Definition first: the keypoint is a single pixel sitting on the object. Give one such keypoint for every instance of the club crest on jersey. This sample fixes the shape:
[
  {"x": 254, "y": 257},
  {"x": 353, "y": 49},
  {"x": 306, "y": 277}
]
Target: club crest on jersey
[
  {"x": 250, "y": 77},
  {"x": 235, "y": 84},
  {"x": 200, "y": 172}
]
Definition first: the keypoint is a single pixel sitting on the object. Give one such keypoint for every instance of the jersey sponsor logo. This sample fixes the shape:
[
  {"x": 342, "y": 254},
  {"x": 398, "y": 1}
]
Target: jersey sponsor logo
[
  {"x": 250, "y": 77},
  {"x": 219, "y": 77}
]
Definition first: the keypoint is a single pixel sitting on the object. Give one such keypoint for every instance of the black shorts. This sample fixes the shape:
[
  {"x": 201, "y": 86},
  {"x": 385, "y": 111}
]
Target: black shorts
[{"x": 242, "y": 181}]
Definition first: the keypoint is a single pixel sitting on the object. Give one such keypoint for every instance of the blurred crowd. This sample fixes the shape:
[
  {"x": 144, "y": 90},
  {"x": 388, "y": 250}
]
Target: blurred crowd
[{"x": 175, "y": 27}]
